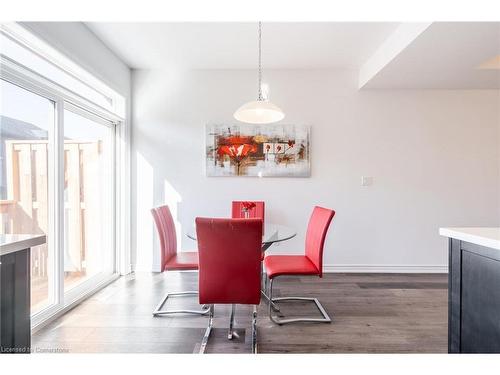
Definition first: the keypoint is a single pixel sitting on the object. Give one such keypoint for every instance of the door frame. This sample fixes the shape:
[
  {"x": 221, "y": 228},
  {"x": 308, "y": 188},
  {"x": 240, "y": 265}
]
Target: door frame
[{"x": 29, "y": 80}]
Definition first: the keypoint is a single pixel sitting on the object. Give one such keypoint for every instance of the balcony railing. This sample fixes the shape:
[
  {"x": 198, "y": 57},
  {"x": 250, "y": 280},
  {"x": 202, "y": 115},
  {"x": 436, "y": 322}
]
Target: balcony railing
[{"x": 27, "y": 208}]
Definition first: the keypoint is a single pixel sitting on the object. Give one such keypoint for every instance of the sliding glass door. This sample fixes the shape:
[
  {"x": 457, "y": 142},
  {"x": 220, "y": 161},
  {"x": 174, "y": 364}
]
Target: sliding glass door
[
  {"x": 58, "y": 178},
  {"x": 88, "y": 196},
  {"x": 27, "y": 123}
]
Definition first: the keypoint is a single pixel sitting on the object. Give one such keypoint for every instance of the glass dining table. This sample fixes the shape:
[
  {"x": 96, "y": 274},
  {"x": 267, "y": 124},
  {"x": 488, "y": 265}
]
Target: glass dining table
[{"x": 273, "y": 233}]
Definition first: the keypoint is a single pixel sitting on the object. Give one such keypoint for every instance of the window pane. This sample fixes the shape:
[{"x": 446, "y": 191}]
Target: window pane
[
  {"x": 26, "y": 120},
  {"x": 88, "y": 198}
]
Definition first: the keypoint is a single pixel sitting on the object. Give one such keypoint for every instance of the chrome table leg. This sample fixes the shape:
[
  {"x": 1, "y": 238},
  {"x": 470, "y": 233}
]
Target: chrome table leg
[
  {"x": 231, "y": 323},
  {"x": 254, "y": 330},
  {"x": 268, "y": 300}
]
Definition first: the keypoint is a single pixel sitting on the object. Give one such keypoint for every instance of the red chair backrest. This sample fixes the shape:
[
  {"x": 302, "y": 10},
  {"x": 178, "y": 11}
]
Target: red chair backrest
[
  {"x": 229, "y": 253},
  {"x": 166, "y": 230},
  {"x": 316, "y": 233},
  {"x": 256, "y": 212}
]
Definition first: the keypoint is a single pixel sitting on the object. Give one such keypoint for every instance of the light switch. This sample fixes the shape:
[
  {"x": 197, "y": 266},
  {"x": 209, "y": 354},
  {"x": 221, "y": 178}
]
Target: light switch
[{"x": 366, "y": 181}]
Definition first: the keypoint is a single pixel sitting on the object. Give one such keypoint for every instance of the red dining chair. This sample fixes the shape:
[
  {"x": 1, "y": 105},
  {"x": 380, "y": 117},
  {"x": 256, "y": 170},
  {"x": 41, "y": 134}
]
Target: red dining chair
[
  {"x": 309, "y": 264},
  {"x": 230, "y": 266},
  {"x": 237, "y": 211},
  {"x": 258, "y": 211},
  {"x": 171, "y": 260}
]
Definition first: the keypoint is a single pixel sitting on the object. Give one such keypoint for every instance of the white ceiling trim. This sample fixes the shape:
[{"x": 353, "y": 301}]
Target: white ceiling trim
[{"x": 401, "y": 38}]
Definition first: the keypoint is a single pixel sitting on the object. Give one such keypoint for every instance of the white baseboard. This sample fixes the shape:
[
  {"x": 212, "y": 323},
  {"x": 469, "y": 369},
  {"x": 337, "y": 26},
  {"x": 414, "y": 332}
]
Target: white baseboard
[
  {"x": 373, "y": 268},
  {"x": 384, "y": 268},
  {"x": 156, "y": 267}
]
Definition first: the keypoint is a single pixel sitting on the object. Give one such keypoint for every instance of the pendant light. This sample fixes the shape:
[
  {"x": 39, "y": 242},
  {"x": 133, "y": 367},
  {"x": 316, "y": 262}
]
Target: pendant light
[{"x": 260, "y": 111}]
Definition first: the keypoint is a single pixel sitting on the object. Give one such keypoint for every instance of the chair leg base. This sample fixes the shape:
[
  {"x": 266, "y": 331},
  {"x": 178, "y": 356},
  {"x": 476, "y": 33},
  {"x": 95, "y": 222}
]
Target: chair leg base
[
  {"x": 325, "y": 317},
  {"x": 208, "y": 331},
  {"x": 158, "y": 310},
  {"x": 204, "y": 341},
  {"x": 265, "y": 288}
]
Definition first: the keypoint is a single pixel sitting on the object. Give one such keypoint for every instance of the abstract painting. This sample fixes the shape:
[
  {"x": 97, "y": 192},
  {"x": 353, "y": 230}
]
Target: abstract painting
[{"x": 257, "y": 150}]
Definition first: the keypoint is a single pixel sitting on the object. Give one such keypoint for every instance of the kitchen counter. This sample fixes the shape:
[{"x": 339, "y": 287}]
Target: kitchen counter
[
  {"x": 15, "y": 274},
  {"x": 489, "y": 237},
  {"x": 10, "y": 243}
]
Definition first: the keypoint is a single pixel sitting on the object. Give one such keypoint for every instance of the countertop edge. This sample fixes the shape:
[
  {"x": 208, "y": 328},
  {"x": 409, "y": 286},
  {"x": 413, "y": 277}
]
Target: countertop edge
[
  {"x": 459, "y": 234},
  {"x": 12, "y": 247}
]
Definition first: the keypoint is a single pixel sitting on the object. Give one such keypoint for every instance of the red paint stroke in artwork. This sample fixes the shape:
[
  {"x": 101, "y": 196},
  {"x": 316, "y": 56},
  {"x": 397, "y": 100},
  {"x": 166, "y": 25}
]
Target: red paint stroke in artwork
[{"x": 237, "y": 148}]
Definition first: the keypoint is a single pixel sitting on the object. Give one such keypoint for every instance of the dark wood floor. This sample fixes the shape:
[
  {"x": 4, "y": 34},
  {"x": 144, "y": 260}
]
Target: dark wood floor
[{"x": 372, "y": 313}]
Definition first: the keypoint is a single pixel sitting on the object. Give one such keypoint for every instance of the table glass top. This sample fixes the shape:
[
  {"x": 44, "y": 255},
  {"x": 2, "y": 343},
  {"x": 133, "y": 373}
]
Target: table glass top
[{"x": 272, "y": 233}]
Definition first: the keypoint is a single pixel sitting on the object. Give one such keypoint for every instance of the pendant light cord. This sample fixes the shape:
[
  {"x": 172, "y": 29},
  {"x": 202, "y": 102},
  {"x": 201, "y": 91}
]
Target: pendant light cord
[{"x": 260, "y": 62}]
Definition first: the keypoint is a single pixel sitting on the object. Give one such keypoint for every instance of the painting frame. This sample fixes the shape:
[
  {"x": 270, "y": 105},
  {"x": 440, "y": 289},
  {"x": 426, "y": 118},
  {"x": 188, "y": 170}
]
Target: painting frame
[{"x": 257, "y": 150}]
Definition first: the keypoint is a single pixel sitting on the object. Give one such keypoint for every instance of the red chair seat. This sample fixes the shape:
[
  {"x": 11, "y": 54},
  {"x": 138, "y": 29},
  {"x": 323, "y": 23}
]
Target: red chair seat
[
  {"x": 184, "y": 260},
  {"x": 277, "y": 265}
]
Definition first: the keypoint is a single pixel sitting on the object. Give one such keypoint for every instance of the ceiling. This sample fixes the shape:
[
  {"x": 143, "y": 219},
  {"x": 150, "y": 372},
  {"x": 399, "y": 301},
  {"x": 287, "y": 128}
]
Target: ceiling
[
  {"x": 441, "y": 55},
  {"x": 227, "y": 45}
]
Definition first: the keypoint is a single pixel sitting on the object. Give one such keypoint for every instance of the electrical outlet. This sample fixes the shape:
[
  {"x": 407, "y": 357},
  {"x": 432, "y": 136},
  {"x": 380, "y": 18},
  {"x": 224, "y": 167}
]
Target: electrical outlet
[{"x": 366, "y": 181}]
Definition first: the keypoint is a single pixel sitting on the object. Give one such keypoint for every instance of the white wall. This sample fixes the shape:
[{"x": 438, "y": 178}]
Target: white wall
[{"x": 433, "y": 155}]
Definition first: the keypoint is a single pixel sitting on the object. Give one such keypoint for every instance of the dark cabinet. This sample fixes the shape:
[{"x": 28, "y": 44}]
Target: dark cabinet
[
  {"x": 474, "y": 298},
  {"x": 15, "y": 323}
]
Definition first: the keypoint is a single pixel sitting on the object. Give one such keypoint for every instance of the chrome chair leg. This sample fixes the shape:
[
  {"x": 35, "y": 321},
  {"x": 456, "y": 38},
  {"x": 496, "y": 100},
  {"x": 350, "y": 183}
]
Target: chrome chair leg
[
  {"x": 206, "y": 336},
  {"x": 158, "y": 310},
  {"x": 273, "y": 305},
  {"x": 265, "y": 289},
  {"x": 231, "y": 323},
  {"x": 254, "y": 330},
  {"x": 326, "y": 318},
  {"x": 204, "y": 341}
]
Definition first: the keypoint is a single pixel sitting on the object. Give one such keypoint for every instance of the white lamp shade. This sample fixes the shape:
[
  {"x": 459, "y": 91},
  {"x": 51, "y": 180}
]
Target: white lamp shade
[{"x": 259, "y": 112}]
